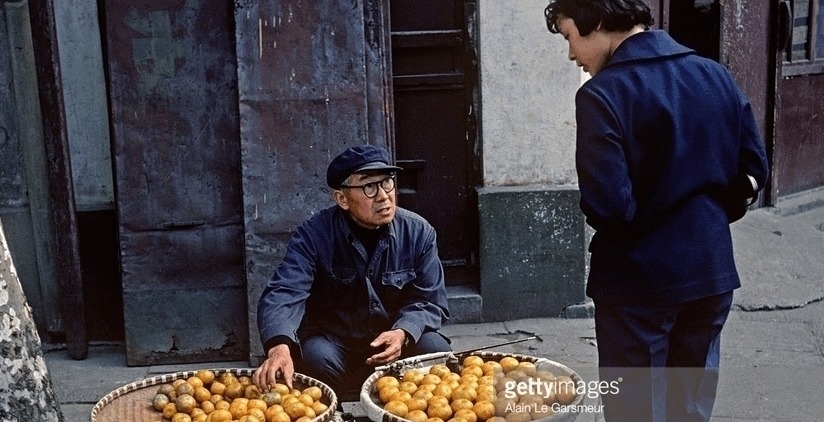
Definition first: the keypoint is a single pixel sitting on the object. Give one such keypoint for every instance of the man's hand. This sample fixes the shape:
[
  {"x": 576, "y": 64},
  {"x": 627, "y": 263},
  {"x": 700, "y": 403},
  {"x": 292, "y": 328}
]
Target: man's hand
[
  {"x": 278, "y": 364},
  {"x": 392, "y": 343}
]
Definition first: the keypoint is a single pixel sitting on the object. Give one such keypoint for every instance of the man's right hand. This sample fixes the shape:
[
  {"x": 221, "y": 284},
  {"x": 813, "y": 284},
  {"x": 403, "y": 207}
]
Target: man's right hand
[{"x": 278, "y": 365}]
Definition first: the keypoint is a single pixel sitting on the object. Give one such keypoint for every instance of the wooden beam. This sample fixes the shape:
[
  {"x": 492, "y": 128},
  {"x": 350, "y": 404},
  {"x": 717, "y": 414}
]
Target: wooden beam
[{"x": 61, "y": 191}]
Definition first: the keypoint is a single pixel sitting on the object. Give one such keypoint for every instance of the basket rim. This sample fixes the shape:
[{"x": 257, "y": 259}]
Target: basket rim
[
  {"x": 172, "y": 376},
  {"x": 373, "y": 408}
]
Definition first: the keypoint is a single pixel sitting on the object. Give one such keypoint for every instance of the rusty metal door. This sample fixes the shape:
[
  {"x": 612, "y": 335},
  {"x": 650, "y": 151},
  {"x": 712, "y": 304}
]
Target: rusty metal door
[
  {"x": 435, "y": 84},
  {"x": 799, "y": 146},
  {"x": 173, "y": 95}
]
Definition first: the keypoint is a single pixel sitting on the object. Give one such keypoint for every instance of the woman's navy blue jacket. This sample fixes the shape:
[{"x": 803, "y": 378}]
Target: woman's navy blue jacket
[
  {"x": 326, "y": 285},
  {"x": 665, "y": 140}
]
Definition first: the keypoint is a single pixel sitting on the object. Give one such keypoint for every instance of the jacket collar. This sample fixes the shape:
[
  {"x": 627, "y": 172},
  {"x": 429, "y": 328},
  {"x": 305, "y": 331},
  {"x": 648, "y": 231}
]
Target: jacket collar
[{"x": 649, "y": 44}]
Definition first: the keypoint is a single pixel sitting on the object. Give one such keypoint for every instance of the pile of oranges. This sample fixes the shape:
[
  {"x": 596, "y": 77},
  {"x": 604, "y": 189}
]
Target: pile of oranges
[
  {"x": 205, "y": 397},
  {"x": 478, "y": 393}
]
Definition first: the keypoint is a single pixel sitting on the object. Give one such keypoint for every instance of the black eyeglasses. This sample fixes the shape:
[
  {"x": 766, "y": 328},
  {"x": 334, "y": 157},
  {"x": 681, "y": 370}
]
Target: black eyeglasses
[{"x": 370, "y": 190}]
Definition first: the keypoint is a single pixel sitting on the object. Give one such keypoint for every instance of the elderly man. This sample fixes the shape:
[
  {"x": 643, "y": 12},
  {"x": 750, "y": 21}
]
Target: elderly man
[{"x": 361, "y": 284}]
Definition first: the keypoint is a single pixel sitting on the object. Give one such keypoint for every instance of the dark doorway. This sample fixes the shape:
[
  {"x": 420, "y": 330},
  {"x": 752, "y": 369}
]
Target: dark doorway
[
  {"x": 697, "y": 24},
  {"x": 434, "y": 81}
]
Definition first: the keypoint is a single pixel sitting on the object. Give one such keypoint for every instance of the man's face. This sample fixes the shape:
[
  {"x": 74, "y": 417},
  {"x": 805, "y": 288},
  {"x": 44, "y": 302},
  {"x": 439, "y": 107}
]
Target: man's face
[
  {"x": 591, "y": 52},
  {"x": 367, "y": 212}
]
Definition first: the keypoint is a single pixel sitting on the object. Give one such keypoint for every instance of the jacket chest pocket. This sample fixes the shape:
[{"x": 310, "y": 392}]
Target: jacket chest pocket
[
  {"x": 398, "y": 279},
  {"x": 339, "y": 285}
]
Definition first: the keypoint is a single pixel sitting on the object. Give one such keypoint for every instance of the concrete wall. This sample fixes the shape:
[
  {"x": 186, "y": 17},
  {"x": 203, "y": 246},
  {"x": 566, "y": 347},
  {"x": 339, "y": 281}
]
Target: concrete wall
[
  {"x": 528, "y": 88},
  {"x": 532, "y": 233}
]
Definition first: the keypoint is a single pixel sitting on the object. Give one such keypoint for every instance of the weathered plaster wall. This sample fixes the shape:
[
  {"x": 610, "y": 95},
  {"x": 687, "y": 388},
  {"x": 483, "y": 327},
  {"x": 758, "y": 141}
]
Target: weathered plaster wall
[{"x": 528, "y": 88}]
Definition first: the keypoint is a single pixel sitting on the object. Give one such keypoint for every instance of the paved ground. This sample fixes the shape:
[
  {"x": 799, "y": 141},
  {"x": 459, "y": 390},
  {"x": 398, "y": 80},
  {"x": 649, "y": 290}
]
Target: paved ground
[{"x": 772, "y": 347}]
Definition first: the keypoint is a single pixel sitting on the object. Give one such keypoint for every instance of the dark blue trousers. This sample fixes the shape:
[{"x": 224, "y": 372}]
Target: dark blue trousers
[
  {"x": 663, "y": 359},
  {"x": 341, "y": 364}
]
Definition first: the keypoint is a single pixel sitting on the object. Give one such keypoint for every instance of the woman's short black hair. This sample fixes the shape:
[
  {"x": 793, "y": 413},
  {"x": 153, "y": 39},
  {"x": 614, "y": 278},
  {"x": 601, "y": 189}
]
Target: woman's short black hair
[{"x": 613, "y": 15}]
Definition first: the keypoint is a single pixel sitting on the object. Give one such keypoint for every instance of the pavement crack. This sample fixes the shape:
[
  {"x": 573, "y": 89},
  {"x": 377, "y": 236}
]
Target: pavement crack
[{"x": 763, "y": 308}]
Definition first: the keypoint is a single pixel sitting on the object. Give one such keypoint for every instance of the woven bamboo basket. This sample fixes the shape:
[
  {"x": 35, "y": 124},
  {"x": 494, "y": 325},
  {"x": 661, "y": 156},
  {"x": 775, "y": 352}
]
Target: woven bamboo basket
[
  {"x": 372, "y": 405},
  {"x": 133, "y": 402}
]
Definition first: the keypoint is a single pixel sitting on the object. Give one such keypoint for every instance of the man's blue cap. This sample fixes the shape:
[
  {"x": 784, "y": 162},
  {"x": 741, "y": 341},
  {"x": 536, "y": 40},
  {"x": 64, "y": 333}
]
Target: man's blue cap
[{"x": 355, "y": 160}]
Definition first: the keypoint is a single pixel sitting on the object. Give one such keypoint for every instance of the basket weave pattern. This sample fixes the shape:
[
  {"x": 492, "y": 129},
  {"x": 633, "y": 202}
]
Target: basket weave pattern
[{"x": 133, "y": 402}]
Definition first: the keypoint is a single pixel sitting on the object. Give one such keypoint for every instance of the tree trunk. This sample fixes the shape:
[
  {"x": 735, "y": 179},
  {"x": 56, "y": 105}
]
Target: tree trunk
[{"x": 26, "y": 392}]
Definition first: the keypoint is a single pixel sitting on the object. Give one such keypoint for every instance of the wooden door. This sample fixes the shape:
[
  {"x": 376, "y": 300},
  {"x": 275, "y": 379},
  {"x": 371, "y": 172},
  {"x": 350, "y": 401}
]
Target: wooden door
[
  {"x": 174, "y": 116},
  {"x": 799, "y": 146},
  {"x": 434, "y": 82}
]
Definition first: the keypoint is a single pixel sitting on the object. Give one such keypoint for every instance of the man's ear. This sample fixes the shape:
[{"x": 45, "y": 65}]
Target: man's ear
[{"x": 340, "y": 199}]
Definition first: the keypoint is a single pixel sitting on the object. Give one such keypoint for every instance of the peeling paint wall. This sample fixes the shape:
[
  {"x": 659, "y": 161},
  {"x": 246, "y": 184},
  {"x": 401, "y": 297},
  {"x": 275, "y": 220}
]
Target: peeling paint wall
[{"x": 528, "y": 88}]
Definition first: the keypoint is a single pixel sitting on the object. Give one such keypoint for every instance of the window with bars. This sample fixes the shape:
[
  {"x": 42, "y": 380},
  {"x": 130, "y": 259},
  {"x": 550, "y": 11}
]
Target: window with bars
[{"x": 805, "y": 52}]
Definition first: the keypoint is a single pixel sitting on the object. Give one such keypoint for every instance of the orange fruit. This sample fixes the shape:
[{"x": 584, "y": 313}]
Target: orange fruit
[
  {"x": 181, "y": 417},
  {"x": 529, "y": 368},
  {"x": 460, "y": 404},
  {"x": 257, "y": 404},
  {"x": 165, "y": 389},
  {"x": 417, "y": 416},
  {"x": 205, "y": 375},
  {"x": 466, "y": 414},
  {"x": 400, "y": 396},
  {"x": 464, "y": 392},
  {"x": 509, "y": 363},
  {"x": 217, "y": 387},
  {"x": 276, "y": 415},
  {"x": 257, "y": 413},
  {"x": 222, "y": 405},
  {"x": 221, "y": 415},
  {"x": 431, "y": 379},
  {"x": 314, "y": 391},
  {"x": 484, "y": 410},
  {"x": 475, "y": 370},
  {"x": 169, "y": 410},
  {"x": 194, "y": 381},
  {"x": 413, "y": 375},
  {"x": 233, "y": 391},
  {"x": 280, "y": 388},
  {"x": 295, "y": 410},
  {"x": 439, "y": 410},
  {"x": 473, "y": 361},
  {"x": 160, "y": 401},
  {"x": 409, "y": 386},
  {"x": 184, "y": 388},
  {"x": 386, "y": 393},
  {"x": 434, "y": 420},
  {"x": 250, "y": 391},
  {"x": 443, "y": 390},
  {"x": 439, "y": 370},
  {"x": 397, "y": 408},
  {"x": 416, "y": 403},
  {"x": 185, "y": 403},
  {"x": 237, "y": 408},
  {"x": 201, "y": 394},
  {"x": 271, "y": 398},
  {"x": 319, "y": 407},
  {"x": 386, "y": 381},
  {"x": 423, "y": 394},
  {"x": 491, "y": 367},
  {"x": 207, "y": 407}
]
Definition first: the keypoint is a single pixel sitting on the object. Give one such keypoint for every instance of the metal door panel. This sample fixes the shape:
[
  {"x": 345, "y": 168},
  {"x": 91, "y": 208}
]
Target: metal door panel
[
  {"x": 799, "y": 148},
  {"x": 314, "y": 79},
  {"x": 799, "y": 83},
  {"x": 173, "y": 95},
  {"x": 434, "y": 79}
]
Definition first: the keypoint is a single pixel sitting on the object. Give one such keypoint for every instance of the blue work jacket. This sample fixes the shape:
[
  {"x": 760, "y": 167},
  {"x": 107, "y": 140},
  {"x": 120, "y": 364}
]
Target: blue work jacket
[
  {"x": 664, "y": 140},
  {"x": 326, "y": 283}
]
